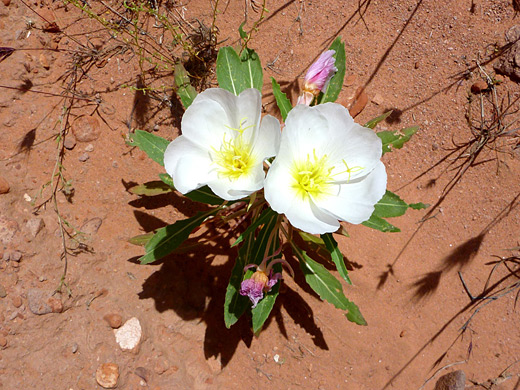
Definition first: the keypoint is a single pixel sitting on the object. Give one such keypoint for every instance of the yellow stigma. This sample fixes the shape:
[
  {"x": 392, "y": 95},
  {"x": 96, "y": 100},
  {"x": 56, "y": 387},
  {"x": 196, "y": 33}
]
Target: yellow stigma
[
  {"x": 312, "y": 177},
  {"x": 234, "y": 157}
]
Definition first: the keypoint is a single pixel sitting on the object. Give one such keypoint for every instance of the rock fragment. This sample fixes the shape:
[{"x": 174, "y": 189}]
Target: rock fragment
[
  {"x": 6, "y": 2},
  {"x": 91, "y": 226},
  {"x": 70, "y": 142},
  {"x": 16, "y": 300},
  {"x": 509, "y": 62},
  {"x": 86, "y": 129},
  {"x": 479, "y": 87},
  {"x": 361, "y": 100},
  {"x": 34, "y": 226},
  {"x": 42, "y": 302},
  {"x": 107, "y": 375},
  {"x": 3, "y": 341},
  {"x": 8, "y": 229},
  {"x": 129, "y": 335},
  {"x": 114, "y": 320},
  {"x": 455, "y": 380},
  {"x": 3, "y": 293},
  {"x": 4, "y": 186}
]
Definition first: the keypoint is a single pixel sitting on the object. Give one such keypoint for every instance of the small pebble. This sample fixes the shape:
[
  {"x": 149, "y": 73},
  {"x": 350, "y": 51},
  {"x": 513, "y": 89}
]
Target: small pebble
[
  {"x": 455, "y": 380},
  {"x": 3, "y": 341},
  {"x": 84, "y": 157},
  {"x": 74, "y": 348},
  {"x": 3, "y": 293},
  {"x": 107, "y": 375},
  {"x": 4, "y": 186},
  {"x": 114, "y": 320},
  {"x": 16, "y": 300},
  {"x": 6, "y": 2},
  {"x": 89, "y": 148},
  {"x": 86, "y": 129},
  {"x": 129, "y": 335},
  {"x": 15, "y": 256},
  {"x": 44, "y": 61},
  {"x": 35, "y": 225},
  {"x": 70, "y": 142},
  {"x": 142, "y": 373},
  {"x": 479, "y": 87},
  {"x": 91, "y": 226}
]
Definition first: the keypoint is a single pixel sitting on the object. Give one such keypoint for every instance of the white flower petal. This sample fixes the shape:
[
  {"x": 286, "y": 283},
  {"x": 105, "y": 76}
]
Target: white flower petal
[
  {"x": 268, "y": 138},
  {"x": 239, "y": 188},
  {"x": 355, "y": 200},
  {"x": 188, "y": 164}
]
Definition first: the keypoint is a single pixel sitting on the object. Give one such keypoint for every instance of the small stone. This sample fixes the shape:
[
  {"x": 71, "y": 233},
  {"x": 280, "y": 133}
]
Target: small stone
[
  {"x": 84, "y": 157},
  {"x": 114, "y": 320},
  {"x": 41, "y": 302},
  {"x": 378, "y": 99},
  {"x": 91, "y": 226},
  {"x": 89, "y": 148},
  {"x": 129, "y": 335},
  {"x": 4, "y": 186},
  {"x": 86, "y": 129},
  {"x": 15, "y": 256},
  {"x": 70, "y": 141},
  {"x": 34, "y": 226},
  {"x": 107, "y": 375},
  {"x": 74, "y": 348},
  {"x": 8, "y": 229},
  {"x": 97, "y": 43},
  {"x": 479, "y": 87},
  {"x": 6, "y": 2},
  {"x": 3, "y": 341},
  {"x": 3, "y": 293},
  {"x": 455, "y": 380},
  {"x": 16, "y": 300},
  {"x": 44, "y": 61},
  {"x": 142, "y": 373},
  {"x": 161, "y": 366}
]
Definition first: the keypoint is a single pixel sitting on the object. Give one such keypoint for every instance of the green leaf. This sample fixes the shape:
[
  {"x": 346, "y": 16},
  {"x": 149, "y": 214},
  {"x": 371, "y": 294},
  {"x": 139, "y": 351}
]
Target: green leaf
[
  {"x": 374, "y": 122},
  {"x": 141, "y": 239},
  {"x": 185, "y": 90},
  {"x": 328, "y": 287},
  {"x": 153, "y": 145},
  {"x": 252, "y": 69},
  {"x": 229, "y": 70},
  {"x": 241, "y": 31},
  {"x": 311, "y": 238},
  {"x": 151, "y": 188},
  {"x": 336, "y": 255},
  {"x": 336, "y": 82},
  {"x": 381, "y": 224},
  {"x": 169, "y": 238},
  {"x": 418, "y": 206},
  {"x": 393, "y": 140},
  {"x": 265, "y": 216},
  {"x": 167, "y": 179},
  {"x": 390, "y": 205},
  {"x": 283, "y": 103}
]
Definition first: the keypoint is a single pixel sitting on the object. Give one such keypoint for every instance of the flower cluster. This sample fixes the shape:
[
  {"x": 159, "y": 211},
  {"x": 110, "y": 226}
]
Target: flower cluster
[{"x": 326, "y": 167}]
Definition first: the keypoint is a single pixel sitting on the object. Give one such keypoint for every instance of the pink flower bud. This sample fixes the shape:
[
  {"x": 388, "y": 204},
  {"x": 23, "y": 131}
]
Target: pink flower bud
[{"x": 320, "y": 73}]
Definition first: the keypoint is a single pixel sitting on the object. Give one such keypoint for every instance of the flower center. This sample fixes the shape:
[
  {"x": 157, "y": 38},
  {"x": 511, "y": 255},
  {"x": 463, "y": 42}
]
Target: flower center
[
  {"x": 234, "y": 157},
  {"x": 312, "y": 177}
]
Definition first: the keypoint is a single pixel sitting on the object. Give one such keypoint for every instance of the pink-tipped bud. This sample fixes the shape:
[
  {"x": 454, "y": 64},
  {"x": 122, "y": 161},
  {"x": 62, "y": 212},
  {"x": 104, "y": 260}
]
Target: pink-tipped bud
[{"x": 320, "y": 73}]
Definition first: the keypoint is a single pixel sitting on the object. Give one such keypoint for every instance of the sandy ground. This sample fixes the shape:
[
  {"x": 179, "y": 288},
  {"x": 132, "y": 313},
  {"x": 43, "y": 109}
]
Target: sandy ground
[{"x": 416, "y": 57}]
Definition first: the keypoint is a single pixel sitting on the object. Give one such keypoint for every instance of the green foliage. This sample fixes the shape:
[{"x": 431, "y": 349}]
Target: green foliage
[
  {"x": 336, "y": 255},
  {"x": 371, "y": 124},
  {"x": 141, "y": 239},
  {"x": 390, "y": 205},
  {"x": 283, "y": 103},
  {"x": 264, "y": 217},
  {"x": 235, "y": 73},
  {"x": 169, "y": 238},
  {"x": 396, "y": 139},
  {"x": 185, "y": 90},
  {"x": 151, "y": 188},
  {"x": 201, "y": 195},
  {"x": 328, "y": 287},
  {"x": 336, "y": 82},
  {"x": 153, "y": 145}
]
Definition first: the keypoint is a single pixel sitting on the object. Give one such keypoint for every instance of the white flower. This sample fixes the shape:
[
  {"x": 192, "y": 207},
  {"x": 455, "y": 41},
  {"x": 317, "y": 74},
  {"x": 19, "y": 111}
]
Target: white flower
[
  {"x": 327, "y": 169},
  {"x": 223, "y": 144}
]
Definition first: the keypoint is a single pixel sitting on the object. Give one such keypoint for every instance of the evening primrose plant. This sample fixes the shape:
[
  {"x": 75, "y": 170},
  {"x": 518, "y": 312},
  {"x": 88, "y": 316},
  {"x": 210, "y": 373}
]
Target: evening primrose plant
[{"x": 288, "y": 186}]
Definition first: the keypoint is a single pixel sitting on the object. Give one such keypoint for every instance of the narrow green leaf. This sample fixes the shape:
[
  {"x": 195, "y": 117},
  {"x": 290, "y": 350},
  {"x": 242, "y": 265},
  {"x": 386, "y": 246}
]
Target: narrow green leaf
[
  {"x": 381, "y": 224},
  {"x": 169, "y": 238},
  {"x": 252, "y": 69},
  {"x": 418, "y": 206},
  {"x": 185, "y": 90},
  {"x": 336, "y": 82},
  {"x": 311, "y": 238},
  {"x": 265, "y": 216},
  {"x": 167, "y": 179},
  {"x": 328, "y": 287},
  {"x": 393, "y": 140},
  {"x": 283, "y": 103},
  {"x": 336, "y": 256},
  {"x": 229, "y": 70},
  {"x": 374, "y": 122},
  {"x": 390, "y": 205},
  {"x": 141, "y": 239},
  {"x": 204, "y": 195},
  {"x": 153, "y": 145},
  {"x": 151, "y": 188},
  {"x": 241, "y": 31}
]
